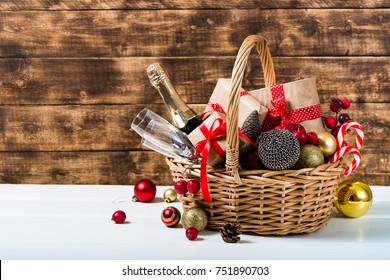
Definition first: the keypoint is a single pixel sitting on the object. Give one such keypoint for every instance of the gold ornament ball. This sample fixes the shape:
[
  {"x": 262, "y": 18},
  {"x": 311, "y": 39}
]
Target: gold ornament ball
[
  {"x": 327, "y": 143},
  {"x": 170, "y": 195},
  {"x": 194, "y": 217},
  {"x": 353, "y": 198},
  {"x": 310, "y": 156}
]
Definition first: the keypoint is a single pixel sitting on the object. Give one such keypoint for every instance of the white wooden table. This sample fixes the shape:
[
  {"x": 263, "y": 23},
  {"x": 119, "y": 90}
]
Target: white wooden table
[{"x": 74, "y": 222}]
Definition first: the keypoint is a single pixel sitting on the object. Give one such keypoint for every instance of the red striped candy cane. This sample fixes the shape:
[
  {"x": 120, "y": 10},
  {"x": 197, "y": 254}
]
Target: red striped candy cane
[
  {"x": 343, "y": 131},
  {"x": 341, "y": 151},
  {"x": 355, "y": 162}
]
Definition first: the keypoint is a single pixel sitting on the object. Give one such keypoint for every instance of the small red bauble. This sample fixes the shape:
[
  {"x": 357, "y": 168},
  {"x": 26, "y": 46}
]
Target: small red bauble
[
  {"x": 144, "y": 190},
  {"x": 193, "y": 186},
  {"x": 119, "y": 217},
  {"x": 191, "y": 233},
  {"x": 301, "y": 136},
  {"x": 181, "y": 186},
  {"x": 170, "y": 216},
  {"x": 312, "y": 138}
]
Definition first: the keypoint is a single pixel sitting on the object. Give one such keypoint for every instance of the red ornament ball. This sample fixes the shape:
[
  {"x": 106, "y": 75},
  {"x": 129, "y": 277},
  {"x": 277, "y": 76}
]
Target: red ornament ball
[
  {"x": 145, "y": 190},
  {"x": 119, "y": 217},
  {"x": 170, "y": 216},
  {"x": 191, "y": 233},
  {"x": 193, "y": 186},
  {"x": 181, "y": 186}
]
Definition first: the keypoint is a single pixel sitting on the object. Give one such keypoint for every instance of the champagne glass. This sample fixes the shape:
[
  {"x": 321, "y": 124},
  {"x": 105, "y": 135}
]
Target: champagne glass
[
  {"x": 143, "y": 118},
  {"x": 168, "y": 139},
  {"x": 159, "y": 135}
]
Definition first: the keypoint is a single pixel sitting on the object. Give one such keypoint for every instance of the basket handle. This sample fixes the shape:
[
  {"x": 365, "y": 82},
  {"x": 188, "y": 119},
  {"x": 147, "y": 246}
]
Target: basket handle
[{"x": 232, "y": 148}]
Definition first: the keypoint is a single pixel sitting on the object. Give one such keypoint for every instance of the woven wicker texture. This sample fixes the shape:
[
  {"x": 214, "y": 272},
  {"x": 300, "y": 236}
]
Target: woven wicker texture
[{"x": 264, "y": 202}]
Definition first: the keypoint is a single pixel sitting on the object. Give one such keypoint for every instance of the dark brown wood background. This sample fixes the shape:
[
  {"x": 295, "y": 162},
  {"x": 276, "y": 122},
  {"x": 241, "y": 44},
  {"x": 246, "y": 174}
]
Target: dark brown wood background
[{"x": 72, "y": 75}]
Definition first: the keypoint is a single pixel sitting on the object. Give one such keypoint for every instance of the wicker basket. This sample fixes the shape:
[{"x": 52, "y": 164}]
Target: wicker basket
[{"x": 261, "y": 201}]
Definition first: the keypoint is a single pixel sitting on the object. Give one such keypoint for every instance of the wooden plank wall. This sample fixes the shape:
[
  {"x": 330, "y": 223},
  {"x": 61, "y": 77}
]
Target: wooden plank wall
[{"x": 72, "y": 75}]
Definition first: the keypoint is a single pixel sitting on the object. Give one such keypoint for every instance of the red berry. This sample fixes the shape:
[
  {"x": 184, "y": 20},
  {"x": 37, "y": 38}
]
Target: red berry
[
  {"x": 346, "y": 104},
  {"x": 119, "y": 217},
  {"x": 338, "y": 103},
  {"x": 294, "y": 127},
  {"x": 312, "y": 138},
  {"x": 181, "y": 186},
  {"x": 335, "y": 131},
  {"x": 251, "y": 161},
  {"x": 191, "y": 233},
  {"x": 301, "y": 136},
  {"x": 193, "y": 186},
  {"x": 145, "y": 190},
  {"x": 333, "y": 108},
  {"x": 330, "y": 122}
]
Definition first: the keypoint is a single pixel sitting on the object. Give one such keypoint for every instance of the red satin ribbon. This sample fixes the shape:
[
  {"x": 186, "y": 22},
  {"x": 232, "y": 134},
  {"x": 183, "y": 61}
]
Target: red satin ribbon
[
  {"x": 212, "y": 107},
  {"x": 204, "y": 146},
  {"x": 280, "y": 115}
]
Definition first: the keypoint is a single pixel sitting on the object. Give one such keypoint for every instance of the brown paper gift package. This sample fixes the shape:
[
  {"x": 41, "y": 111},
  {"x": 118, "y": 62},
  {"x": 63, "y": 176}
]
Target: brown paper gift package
[
  {"x": 248, "y": 103},
  {"x": 196, "y": 136},
  {"x": 298, "y": 94}
]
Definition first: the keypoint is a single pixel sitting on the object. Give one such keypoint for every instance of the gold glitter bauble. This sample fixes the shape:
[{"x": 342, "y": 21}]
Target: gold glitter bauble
[
  {"x": 310, "y": 156},
  {"x": 353, "y": 198},
  {"x": 327, "y": 143},
  {"x": 170, "y": 195},
  {"x": 194, "y": 217}
]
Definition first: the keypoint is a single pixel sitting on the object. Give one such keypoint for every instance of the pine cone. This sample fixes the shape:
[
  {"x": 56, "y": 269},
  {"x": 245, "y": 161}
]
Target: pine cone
[
  {"x": 230, "y": 232},
  {"x": 251, "y": 126}
]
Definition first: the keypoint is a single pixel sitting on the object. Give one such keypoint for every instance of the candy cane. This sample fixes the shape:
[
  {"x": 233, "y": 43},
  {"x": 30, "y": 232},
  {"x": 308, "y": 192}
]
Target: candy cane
[
  {"x": 341, "y": 151},
  {"x": 343, "y": 131},
  {"x": 345, "y": 150}
]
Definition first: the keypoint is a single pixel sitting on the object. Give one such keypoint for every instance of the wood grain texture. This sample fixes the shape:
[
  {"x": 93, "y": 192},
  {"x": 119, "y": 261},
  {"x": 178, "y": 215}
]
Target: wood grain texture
[
  {"x": 72, "y": 76},
  {"x": 126, "y": 168},
  {"x": 179, "y": 4},
  {"x": 107, "y": 127},
  {"x": 81, "y": 81},
  {"x": 291, "y": 32}
]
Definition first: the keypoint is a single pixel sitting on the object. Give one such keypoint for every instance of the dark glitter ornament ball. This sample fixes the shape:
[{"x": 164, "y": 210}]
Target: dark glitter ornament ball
[{"x": 278, "y": 149}]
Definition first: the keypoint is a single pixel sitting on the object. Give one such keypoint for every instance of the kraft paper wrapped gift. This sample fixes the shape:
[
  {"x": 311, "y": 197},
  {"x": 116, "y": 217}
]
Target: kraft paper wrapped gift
[
  {"x": 219, "y": 102},
  {"x": 301, "y": 102},
  {"x": 209, "y": 138}
]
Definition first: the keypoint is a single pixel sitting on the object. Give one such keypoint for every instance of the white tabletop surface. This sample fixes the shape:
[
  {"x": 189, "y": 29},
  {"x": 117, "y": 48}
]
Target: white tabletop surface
[{"x": 65, "y": 222}]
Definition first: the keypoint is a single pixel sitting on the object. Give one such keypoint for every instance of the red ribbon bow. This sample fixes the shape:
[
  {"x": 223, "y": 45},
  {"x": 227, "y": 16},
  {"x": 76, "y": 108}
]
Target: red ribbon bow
[
  {"x": 279, "y": 103},
  {"x": 280, "y": 115},
  {"x": 212, "y": 107},
  {"x": 204, "y": 146}
]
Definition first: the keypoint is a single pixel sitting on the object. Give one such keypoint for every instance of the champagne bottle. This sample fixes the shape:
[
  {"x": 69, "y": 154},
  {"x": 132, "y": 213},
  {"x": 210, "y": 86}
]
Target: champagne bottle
[{"x": 182, "y": 116}]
